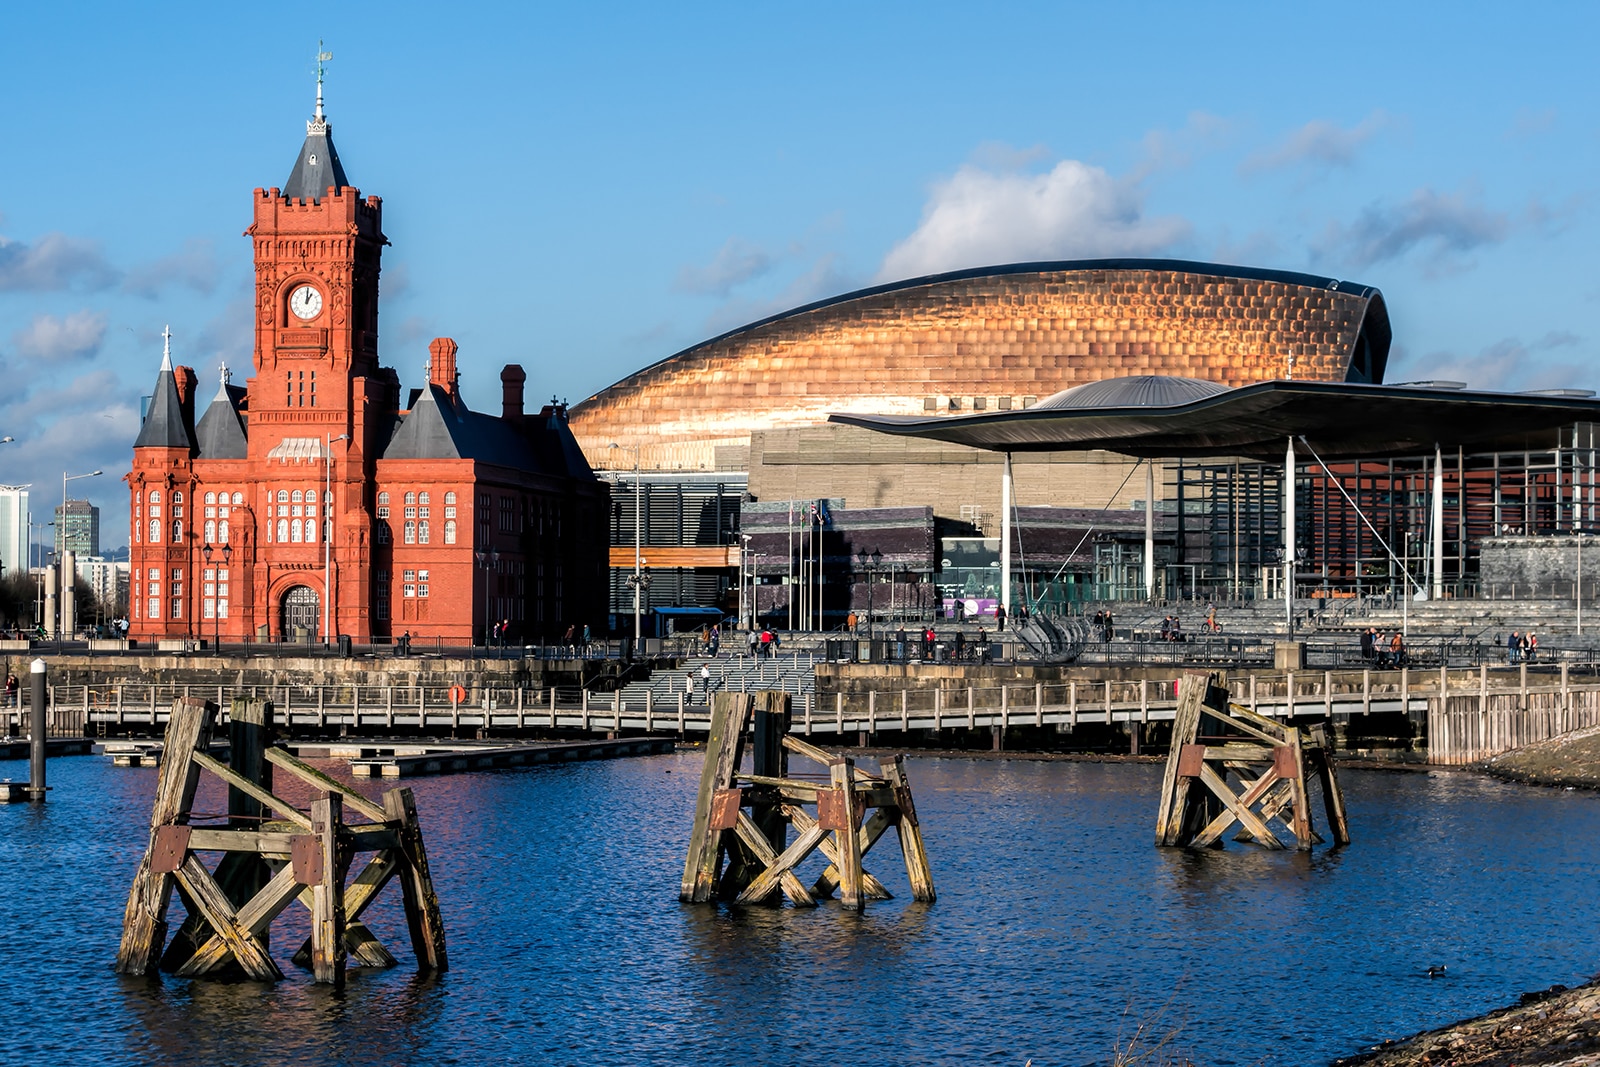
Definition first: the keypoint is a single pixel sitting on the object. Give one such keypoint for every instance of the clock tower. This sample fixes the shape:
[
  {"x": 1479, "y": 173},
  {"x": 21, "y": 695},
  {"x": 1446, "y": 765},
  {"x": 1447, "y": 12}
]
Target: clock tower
[{"x": 318, "y": 249}]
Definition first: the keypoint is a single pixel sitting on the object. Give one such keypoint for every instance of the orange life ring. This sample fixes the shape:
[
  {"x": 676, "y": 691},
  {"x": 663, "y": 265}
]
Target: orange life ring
[{"x": 458, "y": 694}]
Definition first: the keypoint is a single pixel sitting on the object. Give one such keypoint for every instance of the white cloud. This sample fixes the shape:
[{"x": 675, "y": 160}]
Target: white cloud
[
  {"x": 194, "y": 265},
  {"x": 1507, "y": 364},
  {"x": 54, "y": 262},
  {"x": 1445, "y": 224},
  {"x": 50, "y": 339},
  {"x": 980, "y": 217},
  {"x": 1318, "y": 145},
  {"x": 824, "y": 278},
  {"x": 735, "y": 263}
]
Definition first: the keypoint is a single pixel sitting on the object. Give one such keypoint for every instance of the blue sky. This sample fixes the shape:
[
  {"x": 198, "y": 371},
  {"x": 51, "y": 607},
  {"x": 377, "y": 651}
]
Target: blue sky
[{"x": 586, "y": 189}]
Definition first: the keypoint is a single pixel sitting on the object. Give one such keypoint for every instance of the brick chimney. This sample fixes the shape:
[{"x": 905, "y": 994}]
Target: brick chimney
[
  {"x": 186, "y": 380},
  {"x": 511, "y": 379},
  {"x": 442, "y": 365}
]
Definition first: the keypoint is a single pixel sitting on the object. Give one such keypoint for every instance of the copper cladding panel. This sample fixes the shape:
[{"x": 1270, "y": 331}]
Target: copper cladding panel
[{"x": 1000, "y": 337}]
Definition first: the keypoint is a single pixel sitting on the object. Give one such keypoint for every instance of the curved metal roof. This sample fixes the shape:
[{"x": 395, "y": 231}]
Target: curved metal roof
[
  {"x": 1379, "y": 326},
  {"x": 1339, "y": 419},
  {"x": 1137, "y": 391}
]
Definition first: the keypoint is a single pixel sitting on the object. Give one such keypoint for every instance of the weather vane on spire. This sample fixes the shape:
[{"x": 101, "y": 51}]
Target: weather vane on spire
[
  {"x": 166, "y": 348},
  {"x": 322, "y": 57}
]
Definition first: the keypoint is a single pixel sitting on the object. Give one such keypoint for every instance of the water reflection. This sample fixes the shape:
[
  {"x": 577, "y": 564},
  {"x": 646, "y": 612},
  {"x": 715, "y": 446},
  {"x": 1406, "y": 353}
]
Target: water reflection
[{"x": 1058, "y": 925}]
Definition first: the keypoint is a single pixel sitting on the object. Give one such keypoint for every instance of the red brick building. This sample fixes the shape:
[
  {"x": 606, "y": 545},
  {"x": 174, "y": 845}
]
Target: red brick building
[{"x": 311, "y": 502}]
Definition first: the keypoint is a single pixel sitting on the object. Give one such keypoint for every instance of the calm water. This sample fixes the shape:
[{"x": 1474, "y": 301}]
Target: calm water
[{"x": 1058, "y": 927}]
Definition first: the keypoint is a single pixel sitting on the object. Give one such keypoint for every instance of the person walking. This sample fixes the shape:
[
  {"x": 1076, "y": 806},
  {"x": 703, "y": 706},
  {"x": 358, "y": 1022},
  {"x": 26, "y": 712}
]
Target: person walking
[
  {"x": 13, "y": 692},
  {"x": 688, "y": 688},
  {"x": 1000, "y": 617},
  {"x": 754, "y": 640},
  {"x": 1513, "y": 647},
  {"x": 1110, "y": 630},
  {"x": 705, "y": 683},
  {"x": 1533, "y": 647}
]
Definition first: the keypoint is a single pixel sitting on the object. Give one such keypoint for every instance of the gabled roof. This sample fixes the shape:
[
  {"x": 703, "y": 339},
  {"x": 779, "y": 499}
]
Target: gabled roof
[
  {"x": 317, "y": 166},
  {"x": 439, "y": 427},
  {"x": 220, "y": 433},
  {"x": 164, "y": 426}
]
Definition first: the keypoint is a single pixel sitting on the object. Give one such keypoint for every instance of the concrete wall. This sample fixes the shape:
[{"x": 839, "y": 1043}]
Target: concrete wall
[{"x": 1535, "y": 567}]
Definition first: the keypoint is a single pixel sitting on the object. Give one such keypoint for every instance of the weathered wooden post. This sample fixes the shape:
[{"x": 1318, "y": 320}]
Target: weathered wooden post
[
  {"x": 36, "y": 732},
  {"x": 1271, "y": 761}
]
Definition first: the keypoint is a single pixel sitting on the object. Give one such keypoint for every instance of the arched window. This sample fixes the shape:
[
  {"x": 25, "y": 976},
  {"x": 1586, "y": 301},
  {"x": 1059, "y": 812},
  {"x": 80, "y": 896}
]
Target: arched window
[
  {"x": 155, "y": 496},
  {"x": 296, "y": 497},
  {"x": 211, "y": 531},
  {"x": 177, "y": 531},
  {"x": 311, "y": 531},
  {"x": 177, "y": 497},
  {"x": 283, "y": 530},
  {"x": 411, "y": 498},
  {"x": 450, "y": 497},
  {"x": 423, "y": 499},
  {"x": 411, "y": 531},
  {"x": 222, "y": 531},
  {"x": 211, "y": 498},
  {"x": 283, "y": 496},
  {"x": 422, "y": 532},
  {"x": 238, "y": 498},
  {"x": 155, "y": 531},
  {"x": 381, "y": 532},
  {"x": 449, "y": 531},
  {"x": 383, "y": 498},
  {"x": 294, "y": 531}
]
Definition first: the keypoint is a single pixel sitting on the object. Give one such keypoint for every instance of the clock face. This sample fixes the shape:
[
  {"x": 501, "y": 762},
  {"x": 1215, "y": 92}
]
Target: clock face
[{"x": 306, "y": 302}]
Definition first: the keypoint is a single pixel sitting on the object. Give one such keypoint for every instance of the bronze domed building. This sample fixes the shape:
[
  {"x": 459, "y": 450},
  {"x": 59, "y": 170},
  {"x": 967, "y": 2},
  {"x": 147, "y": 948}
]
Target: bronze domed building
[{"x": 993, "y": 338}]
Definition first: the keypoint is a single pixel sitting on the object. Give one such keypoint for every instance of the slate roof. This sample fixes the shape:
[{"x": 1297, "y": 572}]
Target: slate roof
[
  {"x": 316, "y": 167},
  {"x": 164, "y": 426},
  {"x": 220, "y": 433},
  {"x": 438, "y": 427}
]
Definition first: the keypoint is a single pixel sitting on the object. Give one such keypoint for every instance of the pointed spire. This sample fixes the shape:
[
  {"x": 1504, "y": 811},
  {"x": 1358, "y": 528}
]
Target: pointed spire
[
  {"x": 164, "y": 425},
  {"x": 322, "y": 57},
  {"x": 318, "y": 167},
  {"x": 219, "y": 433},
  {"x": 222, "y": 386}
]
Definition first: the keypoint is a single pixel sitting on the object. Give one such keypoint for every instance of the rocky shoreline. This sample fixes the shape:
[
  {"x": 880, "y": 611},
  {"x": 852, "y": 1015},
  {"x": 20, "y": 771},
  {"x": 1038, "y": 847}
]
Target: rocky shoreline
[
  {"x": 1571, "y": 761},
  {"x": 1558, "y": 1027}
]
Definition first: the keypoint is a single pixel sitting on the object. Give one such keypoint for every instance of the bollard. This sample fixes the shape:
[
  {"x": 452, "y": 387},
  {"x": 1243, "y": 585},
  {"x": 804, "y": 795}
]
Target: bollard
[{"x": 36, "y": 739}]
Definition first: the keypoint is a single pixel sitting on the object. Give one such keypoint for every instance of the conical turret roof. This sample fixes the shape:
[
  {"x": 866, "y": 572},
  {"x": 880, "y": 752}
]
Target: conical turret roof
[{"x": 164, "y": 426}]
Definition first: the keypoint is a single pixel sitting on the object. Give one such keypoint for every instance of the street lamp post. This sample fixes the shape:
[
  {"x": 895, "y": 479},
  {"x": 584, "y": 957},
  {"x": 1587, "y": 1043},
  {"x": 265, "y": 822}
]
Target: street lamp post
[
  {"x": 216, "y": 601},
  {"x": 869, "y": 563},
  {"x": 326, "y": 521},
  {"x": 486, "y": 558},
  {"x": 747, "y": 608},
  {"x": 61, "y": 556},
  {"x": 637, "y": 580}
]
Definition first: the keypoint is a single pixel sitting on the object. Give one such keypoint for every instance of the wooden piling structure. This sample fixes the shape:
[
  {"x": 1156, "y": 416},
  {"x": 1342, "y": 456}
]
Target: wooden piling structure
[
  {"x": 1271, "y": 762},
  {"x": 273, "y": 855},
  {"x": 761, "y": 858}
]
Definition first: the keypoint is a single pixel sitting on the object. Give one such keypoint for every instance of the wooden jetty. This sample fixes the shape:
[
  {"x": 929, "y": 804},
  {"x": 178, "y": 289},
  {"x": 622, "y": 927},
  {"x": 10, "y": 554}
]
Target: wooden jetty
[
  {"x": 269, "y": 863},
  {"x": 1272, "y": 763},
  {"x": 406, "y": 761},
  {"x": 761, "y": 861}
]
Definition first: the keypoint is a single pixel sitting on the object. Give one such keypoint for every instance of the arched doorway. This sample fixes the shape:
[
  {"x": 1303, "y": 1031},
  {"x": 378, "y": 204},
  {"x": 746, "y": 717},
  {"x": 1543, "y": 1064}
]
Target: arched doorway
[{"x": 302, "y": 612}]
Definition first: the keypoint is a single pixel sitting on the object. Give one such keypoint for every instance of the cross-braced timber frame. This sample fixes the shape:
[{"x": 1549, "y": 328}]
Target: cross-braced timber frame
[
  {"x": 761, "y": 861},
  {"x": 1272, "y": 762},
  {"x": 269, "y": 863}
]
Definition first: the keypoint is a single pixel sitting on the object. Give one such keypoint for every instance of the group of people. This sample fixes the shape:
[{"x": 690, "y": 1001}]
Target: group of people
[
  {"x": 1104, "y": 625},
  {"x": 573, "y": 638},
  {"x": 710, "y": 639},
  {"x": 1172, "y": 629},
  {"x": 1386, "y": 650},
  {"x": 1522, "y": 648},
  {"x": 763, "y": 643}
]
